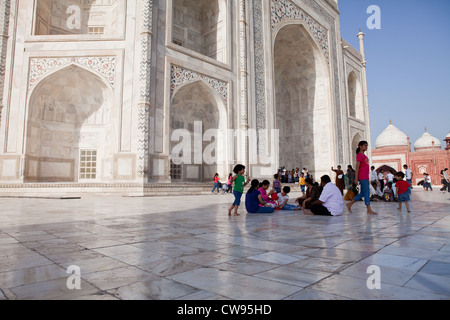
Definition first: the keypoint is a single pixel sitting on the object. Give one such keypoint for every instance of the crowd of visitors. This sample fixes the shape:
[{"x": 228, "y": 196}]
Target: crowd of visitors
[{"x": 325, "y": 198}]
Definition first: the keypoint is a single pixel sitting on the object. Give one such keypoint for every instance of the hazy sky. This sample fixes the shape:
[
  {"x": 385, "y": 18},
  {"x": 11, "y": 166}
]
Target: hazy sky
[{"x": 408, "y": 68}]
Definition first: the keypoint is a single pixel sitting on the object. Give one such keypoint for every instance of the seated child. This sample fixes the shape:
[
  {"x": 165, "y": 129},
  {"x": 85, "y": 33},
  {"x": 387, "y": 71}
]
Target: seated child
[
  {"x": 351, "y": 193},
  {"x": 283, "y": 199},
  {"x": 375, "y": 192},
  {"x": 388, "y": 194},
  {"x": 263, "y": 190}
]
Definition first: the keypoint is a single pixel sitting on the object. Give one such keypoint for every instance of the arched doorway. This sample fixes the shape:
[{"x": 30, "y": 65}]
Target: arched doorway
[
  {"x": 355, "y": 142},
  {"x": 302, "y": 101},
  {"x": 195, "y": 113},
  {"x": 69, "y": 129},
  {"x": 355, "y": 97}
]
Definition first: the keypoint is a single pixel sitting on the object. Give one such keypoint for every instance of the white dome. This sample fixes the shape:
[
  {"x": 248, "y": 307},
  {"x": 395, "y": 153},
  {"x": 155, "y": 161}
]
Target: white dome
[
  {"x": 391, "y": 136},
  {"x": 426, "y": 141},
  {"x": 448, "y": 136}
]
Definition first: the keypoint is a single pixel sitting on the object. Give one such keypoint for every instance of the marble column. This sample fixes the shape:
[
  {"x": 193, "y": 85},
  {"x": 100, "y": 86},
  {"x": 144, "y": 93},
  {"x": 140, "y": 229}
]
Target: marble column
[
  {"x": 243, "y": 70},
  {"x": 4, "y": 26},
  {"x": 145, "y": 82}
]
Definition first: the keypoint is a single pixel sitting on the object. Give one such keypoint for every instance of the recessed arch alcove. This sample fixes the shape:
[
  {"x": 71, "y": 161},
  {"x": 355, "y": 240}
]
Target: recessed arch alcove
[
  {"x": 70, "y": 132},
  {"x": 197, "y": 110},
  {"x": 355, "y": 96},
  {"x": 302, "y": 100}
]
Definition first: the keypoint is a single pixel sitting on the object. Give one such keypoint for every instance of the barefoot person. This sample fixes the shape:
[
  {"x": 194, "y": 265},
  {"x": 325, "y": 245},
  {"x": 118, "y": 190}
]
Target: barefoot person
[
  {"x": 362, "y": 175},
  {"x": 403, "y": 191},
  {"x": 239, "y": 184}
]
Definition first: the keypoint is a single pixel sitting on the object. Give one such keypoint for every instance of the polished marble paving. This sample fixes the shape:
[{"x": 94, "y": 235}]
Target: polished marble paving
[{"x": 187, "y": 248}]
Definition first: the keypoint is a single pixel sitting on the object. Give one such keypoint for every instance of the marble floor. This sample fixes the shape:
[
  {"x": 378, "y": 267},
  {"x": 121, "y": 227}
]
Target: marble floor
[{"x": 187, "y": 248}]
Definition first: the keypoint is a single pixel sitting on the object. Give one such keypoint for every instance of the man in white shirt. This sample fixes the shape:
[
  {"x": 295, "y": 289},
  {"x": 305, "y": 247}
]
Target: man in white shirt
[
  {"x": 373, "y": 175},
  {"x": 390, "y": 177},
  {"x": 330, "y": 203},
  {"x": 381, "y": 179},
  {"x": 408, "y": 175}
]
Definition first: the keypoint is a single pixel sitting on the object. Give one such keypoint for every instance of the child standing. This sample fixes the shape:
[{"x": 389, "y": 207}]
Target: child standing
[
  {"x": 239, "y": 184},
  {"x": 403, "y": 191},
  {"x": 230, "y": 184},
  {"x": 302, "y": 183},
  {"x": 276, "y": 183}
]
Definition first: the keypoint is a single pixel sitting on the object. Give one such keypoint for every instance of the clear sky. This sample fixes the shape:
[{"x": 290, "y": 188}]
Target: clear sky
[{"x": 408, "y": 70}]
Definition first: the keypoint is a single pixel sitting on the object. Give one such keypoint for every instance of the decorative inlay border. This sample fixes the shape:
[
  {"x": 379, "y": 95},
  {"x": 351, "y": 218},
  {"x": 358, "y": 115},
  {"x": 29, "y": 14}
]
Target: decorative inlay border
[
  {"x": 282, "y": 10},
  {"x": 180, "y": 76},
  {"x": 105, "y": 66}
]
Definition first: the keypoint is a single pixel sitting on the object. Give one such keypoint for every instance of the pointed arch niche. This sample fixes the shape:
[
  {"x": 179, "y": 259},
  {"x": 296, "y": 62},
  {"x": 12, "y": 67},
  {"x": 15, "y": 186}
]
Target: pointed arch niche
[
  {"x": 355, "y": 96},
  {"x": 198, "y": 110},
  {"x": 70, "y": 132},
  {"x": 302, "y": 99}
]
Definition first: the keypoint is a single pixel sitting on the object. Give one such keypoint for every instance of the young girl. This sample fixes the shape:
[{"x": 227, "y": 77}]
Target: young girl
[
  {"x": 239, "y": 184},
  {"x": 362, "y": 175},
  {"x": 230, "y": 189},
  {"x": 263, "y": 187},
  {"x": 254, "y": 203},
  {"x": 403, "y": 191}
]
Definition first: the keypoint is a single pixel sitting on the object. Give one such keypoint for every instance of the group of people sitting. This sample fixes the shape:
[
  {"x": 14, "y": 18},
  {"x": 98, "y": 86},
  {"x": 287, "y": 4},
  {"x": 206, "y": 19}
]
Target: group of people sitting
[{"x": 324, "y": 199}]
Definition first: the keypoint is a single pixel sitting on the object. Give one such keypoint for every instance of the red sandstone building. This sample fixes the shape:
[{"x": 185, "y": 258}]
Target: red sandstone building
[{"x": 393, "y": 150}]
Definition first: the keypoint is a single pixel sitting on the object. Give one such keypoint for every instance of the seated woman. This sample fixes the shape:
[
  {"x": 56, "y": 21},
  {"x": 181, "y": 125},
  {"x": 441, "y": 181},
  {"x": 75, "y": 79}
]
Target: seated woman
[
  {"x": 312, "y": 195},
  {"x": 254, "y": 203}
]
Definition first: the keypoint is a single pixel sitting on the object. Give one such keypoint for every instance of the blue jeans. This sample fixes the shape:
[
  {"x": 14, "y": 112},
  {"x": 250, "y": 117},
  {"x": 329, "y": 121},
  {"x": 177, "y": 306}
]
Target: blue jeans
[
  {"x": 289, "y": 207},
  {"x": 364, "y": 192},
  {"x": 237, "y": 198},
  {"x": 216, "y": 185}
]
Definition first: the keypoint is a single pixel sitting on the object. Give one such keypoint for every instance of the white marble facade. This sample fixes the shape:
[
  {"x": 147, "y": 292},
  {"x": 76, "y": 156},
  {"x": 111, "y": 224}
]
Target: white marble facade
[{"x": 93, "y": 93}]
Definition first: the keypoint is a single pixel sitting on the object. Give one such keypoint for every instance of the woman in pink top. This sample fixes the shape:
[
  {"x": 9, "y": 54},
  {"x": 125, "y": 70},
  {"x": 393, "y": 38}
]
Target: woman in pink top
[
  {"x": 216, "y": 183},
  {"x": 362, "y": 175}
]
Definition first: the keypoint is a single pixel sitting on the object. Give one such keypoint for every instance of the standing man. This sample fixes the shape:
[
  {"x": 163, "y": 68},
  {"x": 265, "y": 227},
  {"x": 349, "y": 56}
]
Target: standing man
[
  {"x": 373, "y": 175},
  {"x": 390, "y": 177},
  {"x": 446, "y": 181},
  {"x": 409, "y": 175},
  {"x": 381, "y": 180}
]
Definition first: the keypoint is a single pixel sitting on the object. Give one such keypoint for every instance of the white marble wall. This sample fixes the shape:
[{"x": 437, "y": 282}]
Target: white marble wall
[{"x": 144, "y": 71}]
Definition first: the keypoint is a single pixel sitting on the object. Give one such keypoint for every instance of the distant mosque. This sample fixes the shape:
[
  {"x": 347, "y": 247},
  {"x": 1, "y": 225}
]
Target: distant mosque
[{"x": 393, "y": 150}]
